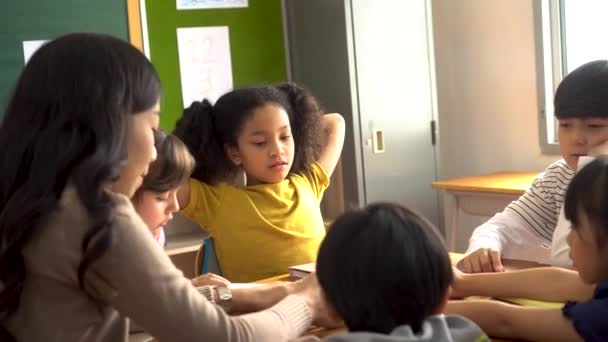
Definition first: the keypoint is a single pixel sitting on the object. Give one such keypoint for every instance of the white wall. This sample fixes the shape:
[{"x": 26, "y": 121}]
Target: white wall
[{"x": 486, "y": 87}]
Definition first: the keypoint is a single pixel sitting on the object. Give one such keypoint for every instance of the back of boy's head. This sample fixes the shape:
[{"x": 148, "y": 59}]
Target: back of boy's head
[
  {"x": 383, "y": 266},
  {"x": 583, "y": 93},
  {"x": 173, "y": 165},
  {"x": 207, "y": 128},
  {"x": 588, "y": 193}
]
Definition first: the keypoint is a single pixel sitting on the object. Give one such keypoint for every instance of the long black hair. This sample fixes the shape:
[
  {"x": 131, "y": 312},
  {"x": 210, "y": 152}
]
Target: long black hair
[
  {"x": 207, "y": 128},
  {"x": 67, "y": 121},
  {"x": 383, "y": 266}
]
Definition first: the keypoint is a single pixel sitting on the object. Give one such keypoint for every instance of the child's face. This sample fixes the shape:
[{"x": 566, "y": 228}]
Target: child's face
[
  {"x": 265, "y": 146},
  {"x": 584, "y": 250},
  {"x": 156, "y": 208},
  {"x": 578, "y": 136}
]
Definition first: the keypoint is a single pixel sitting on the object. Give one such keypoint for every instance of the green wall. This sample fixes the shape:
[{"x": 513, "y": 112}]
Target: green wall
[
  {"x": 256, "y": 45},
  {"x": 44, "y": 19}
]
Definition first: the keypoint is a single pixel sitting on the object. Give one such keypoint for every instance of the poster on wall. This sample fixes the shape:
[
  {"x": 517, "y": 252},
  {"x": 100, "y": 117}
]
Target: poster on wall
[
  {"x": 207, "y": 4},
  {"x": 29, "y": 47},
  {"x": 204, "y": 63}
]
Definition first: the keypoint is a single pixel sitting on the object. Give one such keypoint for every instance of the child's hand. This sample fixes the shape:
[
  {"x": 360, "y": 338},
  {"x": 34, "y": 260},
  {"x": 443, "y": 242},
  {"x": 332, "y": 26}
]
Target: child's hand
[
  {"x": 482, "y": 260},
  {"x": 322, "y": 312},
  {"x": 209, "y": 279}
]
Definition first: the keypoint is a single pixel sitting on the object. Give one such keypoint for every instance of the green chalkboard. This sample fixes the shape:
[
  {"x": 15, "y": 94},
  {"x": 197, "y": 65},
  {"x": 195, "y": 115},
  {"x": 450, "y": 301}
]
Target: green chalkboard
[
  {"x": 256, "y": 45},
  {"x": 45, "y": 19}
]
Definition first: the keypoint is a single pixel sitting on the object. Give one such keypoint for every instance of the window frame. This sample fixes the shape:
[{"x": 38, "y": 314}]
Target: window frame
[{"x": 551, "y": 64}]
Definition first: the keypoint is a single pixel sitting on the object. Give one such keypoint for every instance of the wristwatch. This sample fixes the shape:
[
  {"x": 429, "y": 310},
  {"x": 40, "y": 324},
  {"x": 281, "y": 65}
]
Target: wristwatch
[{"x": 224, "y": 296}]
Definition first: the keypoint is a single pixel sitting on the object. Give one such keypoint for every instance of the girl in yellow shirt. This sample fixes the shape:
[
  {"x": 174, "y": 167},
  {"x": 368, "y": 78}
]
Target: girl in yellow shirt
[{"x": 287, "y": 149}]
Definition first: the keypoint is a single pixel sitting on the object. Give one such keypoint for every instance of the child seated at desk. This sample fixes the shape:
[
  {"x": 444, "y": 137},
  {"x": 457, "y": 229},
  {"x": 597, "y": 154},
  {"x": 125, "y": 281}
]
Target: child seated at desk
[
  {"x": 525, "y": 229},
  {"x": 585, "y": 315},
  {"x": 287, "y": 148},
  {"x": 385, "y": 272},
  {"x": 156, "y": 200}
]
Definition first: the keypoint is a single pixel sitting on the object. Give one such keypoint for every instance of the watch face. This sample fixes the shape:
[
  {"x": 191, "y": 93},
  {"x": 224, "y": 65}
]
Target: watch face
[{"x": 223, "y": 293}]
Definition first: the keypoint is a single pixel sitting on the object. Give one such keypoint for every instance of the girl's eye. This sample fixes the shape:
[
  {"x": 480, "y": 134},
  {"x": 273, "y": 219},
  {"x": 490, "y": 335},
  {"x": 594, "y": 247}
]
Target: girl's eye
[
  {"x": 259, "y": 143},
  {"x": 595, "y": 126},
  {"x": 162, "y": 197},
  {"x": 564, "y": 124},
  {"x": 284, "y": 138}
]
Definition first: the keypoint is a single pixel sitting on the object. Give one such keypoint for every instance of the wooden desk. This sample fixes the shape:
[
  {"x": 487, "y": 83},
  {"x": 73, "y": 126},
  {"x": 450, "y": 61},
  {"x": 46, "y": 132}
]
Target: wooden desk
[{"x": 482, "y": 195}]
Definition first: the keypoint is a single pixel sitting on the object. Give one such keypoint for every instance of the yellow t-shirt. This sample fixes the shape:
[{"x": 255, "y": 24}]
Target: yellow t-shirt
[{"x": 261, "y": 230}]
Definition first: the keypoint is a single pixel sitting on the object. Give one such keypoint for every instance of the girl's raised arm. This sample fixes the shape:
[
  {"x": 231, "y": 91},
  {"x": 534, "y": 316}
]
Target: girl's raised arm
[{"x": 333, "y": 128}]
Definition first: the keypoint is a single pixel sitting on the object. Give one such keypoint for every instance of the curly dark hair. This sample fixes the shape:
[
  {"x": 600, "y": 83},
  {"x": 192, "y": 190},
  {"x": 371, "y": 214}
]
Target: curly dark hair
[
  {"x": 67, "y": 121},
  {"x": 207, "y": 128}
]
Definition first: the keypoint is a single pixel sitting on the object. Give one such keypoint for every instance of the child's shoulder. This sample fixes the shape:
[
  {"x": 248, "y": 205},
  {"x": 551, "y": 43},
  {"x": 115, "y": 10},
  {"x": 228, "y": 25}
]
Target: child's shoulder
[
  {"x": 314, "y": 177},
  {"x": 315, "y": 170},
  {"x": 559, "y": 166},
  {"x": 435, "y": 328},
  {"x": 558, "y": 171},
  {"x": 589, "y": 318}
]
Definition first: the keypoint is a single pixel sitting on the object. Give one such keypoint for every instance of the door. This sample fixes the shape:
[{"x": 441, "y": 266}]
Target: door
[
  {"x": 394, "y": 88},
  {"x": 369, "y": 61}
]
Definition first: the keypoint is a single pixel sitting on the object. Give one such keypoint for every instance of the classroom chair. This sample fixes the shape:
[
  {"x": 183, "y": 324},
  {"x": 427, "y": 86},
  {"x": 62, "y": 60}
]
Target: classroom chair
[{"x": 206, "y": 259}]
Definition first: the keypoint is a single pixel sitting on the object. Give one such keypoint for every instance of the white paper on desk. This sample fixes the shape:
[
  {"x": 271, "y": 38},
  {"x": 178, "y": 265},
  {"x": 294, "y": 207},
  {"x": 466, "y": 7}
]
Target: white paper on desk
[
  {"x": 204, "y": 63},
  {"x": 30, "y": 46},
  {"x": 206, "y": 4}
]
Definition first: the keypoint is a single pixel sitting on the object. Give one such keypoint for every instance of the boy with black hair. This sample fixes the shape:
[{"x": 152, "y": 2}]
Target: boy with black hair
[
  {"x": 526, "y": 228},
  {"x": 385, "y": 272}
]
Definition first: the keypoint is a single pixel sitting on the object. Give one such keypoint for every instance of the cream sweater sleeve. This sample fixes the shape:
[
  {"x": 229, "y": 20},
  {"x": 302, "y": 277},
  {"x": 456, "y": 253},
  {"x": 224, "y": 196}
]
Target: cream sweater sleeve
[{"x": 137, "y": 278}]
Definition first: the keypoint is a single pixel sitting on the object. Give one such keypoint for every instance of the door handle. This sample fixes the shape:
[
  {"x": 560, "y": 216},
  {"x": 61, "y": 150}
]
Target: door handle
[{"x": 378, "y": 141}]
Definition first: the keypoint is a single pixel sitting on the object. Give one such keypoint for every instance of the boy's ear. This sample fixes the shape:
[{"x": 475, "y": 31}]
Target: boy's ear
[{"x": 233, "y": 154}]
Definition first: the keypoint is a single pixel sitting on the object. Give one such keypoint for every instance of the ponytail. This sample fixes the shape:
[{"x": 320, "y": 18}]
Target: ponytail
[{"x": 196, "y": 128}]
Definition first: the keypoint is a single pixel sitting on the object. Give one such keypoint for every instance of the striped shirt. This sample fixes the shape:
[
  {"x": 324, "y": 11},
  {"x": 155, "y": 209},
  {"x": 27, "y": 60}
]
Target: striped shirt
[{"x": 524, "y": 230}]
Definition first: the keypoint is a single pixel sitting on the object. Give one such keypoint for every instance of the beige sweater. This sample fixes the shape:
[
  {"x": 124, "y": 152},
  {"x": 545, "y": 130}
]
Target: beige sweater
[{"x": 134, "y": 278}]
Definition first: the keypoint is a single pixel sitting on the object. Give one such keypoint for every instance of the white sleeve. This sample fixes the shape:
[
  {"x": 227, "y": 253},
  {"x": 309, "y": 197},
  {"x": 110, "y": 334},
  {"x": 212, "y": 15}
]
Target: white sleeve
[
  {"x": 512, "y": 236},
  {"x": 525, "y": 228},
  {"x": 560, "y": 251}
]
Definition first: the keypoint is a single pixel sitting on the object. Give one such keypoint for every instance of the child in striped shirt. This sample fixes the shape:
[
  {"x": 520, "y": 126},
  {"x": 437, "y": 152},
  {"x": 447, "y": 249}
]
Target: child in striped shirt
[
  {"x": 524, "y": 230},
  {"x": 584, "y": 317}
]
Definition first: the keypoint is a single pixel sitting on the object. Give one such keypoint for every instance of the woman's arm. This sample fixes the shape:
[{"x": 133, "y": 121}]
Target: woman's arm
[
  {"x": 504, "y": 320},
  {"x": 333, "y": 126},
  {"x": 137, "y": 278},
  {"x": 543, "y": 283},
  {"x": 262, "y": 297}
]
